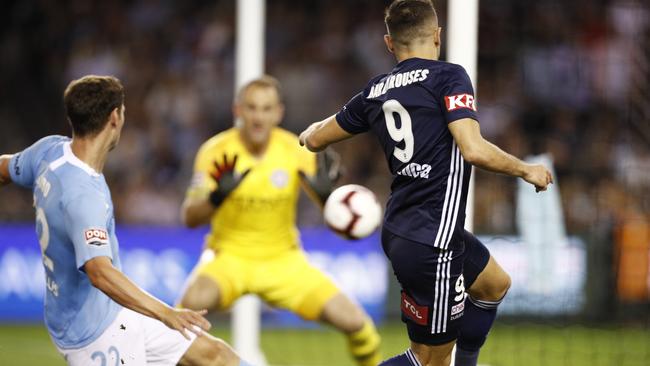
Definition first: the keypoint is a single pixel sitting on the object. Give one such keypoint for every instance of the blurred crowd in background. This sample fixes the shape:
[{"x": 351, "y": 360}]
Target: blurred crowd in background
[{"x": 567, "y": 78}]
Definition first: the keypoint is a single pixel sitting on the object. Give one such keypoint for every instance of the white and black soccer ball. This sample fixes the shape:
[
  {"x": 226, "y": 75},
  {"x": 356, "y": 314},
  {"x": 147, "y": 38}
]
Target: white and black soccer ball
[{"x": 352, "y": 211}]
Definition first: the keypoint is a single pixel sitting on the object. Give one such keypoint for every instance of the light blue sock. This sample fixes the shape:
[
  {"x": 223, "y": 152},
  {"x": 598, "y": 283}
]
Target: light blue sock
[{"x": 244, "y": 363}]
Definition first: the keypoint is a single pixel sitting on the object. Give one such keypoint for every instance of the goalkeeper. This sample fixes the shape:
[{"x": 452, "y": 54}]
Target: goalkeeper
[{"x": 246, "y": 185}]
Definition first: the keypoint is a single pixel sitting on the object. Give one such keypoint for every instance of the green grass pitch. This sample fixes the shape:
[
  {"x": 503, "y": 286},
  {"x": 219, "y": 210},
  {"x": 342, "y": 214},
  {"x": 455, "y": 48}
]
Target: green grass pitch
[{"x": 508, "y": 345}]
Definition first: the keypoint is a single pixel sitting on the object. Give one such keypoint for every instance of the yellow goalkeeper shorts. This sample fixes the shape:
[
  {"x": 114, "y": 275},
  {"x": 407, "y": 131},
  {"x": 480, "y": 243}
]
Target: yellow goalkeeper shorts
[{"x": 287, "y": 281}]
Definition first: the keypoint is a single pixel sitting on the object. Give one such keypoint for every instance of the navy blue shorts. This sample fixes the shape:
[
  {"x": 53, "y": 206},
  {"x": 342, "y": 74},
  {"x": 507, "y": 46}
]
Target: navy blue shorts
[{"x": 433, "y": 283}]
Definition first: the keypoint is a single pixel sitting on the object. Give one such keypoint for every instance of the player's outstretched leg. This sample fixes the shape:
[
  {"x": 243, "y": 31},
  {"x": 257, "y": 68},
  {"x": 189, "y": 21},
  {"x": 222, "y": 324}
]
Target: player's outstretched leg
[
  {"x": 484, "y": 296},
  {"x": 349, "y": 318},
  {"x": 207, "y": 350}
]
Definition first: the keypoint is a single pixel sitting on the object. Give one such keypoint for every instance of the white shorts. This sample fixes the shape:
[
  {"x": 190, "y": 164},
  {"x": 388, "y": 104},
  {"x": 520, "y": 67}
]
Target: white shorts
[{"x": 132, "y": 340}]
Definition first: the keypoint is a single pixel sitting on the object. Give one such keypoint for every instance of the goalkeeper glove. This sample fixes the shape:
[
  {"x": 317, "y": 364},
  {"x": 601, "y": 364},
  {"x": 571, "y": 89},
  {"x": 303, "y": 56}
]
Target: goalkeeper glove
[
  {"x": 328, "y": 172},
  {"x": 227, "y": 180}
]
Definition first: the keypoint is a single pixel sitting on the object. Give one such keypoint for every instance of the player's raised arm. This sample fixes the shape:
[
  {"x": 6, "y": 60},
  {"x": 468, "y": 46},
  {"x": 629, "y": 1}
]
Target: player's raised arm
[
  {"x": 5, "y": 177},
  {"x": 350, "y": 120},
  {"x": 483, "y": 154},
  {"x": 320, "y": 135}
]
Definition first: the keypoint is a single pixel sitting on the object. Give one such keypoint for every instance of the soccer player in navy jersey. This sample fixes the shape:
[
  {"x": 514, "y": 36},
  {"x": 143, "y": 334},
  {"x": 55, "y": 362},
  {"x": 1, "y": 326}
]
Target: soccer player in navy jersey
[
  {"x": 424, "y": 115},
  {"x": 94, "y": 314}
]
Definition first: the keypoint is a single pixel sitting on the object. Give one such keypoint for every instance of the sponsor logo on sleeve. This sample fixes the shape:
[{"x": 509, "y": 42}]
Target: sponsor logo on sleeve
[
  {"x": 417, "y": 313},
  {"x": 460, "y": 101},
  {"x": 97, "y": 237}
]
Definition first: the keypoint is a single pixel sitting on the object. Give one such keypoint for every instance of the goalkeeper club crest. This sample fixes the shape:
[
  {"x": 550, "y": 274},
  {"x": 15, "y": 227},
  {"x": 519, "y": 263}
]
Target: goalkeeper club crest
[{"x": 280, "y": 178}]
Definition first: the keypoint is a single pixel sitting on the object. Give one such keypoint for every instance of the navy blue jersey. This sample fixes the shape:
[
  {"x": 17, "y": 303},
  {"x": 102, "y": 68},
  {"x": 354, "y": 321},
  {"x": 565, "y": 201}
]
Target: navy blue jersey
[{"x": 409, "y": 110}]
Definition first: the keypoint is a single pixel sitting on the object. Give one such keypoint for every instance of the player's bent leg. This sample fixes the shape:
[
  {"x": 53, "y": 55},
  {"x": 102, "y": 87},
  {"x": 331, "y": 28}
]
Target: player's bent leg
[
  {"x": 349, "y": 318},
  {"x": 202, "y": 292},
  {"x": 488, "y": 283},
  {"x": 207, "y": 350},
  {"x": 484, "y": 296}
]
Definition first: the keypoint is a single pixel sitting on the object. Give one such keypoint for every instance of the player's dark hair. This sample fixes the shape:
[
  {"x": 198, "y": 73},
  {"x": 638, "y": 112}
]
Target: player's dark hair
[
  {"x": 89, "y": 102},
  {"x": 409, "y": 19},
  {"x": 264, "y": 81}
]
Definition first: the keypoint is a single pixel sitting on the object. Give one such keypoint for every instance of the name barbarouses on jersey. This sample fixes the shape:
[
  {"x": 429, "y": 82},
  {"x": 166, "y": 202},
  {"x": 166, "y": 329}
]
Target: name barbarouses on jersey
[{"x": 398, "y": 80}]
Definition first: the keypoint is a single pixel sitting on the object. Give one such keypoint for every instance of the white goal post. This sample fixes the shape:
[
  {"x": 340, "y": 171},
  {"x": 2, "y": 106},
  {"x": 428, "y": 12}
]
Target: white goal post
[
  {"x": 249, "y": 64},
  {"x": 462, "y": 49}
]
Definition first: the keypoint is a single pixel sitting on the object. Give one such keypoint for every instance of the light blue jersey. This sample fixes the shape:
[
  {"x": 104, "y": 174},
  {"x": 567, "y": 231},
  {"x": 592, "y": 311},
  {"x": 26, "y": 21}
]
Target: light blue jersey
[{"x": 74, "y": 223}]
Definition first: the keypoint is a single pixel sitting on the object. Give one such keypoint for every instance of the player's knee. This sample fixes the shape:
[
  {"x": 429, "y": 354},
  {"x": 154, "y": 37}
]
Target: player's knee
[
  {"x": 495, "y": 289},
  {"x": 501, "y": 288},
  {"x": 192, "y": 299},
  {"x": 198, "y": 296},
  {"x": 198, "y": 301},
  {"x": 506, "y": 283}
]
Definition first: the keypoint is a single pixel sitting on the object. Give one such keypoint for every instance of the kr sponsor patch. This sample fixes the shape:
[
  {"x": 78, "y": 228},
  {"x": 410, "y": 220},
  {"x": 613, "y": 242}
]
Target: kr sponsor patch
[{"x": 460, "y": 101}]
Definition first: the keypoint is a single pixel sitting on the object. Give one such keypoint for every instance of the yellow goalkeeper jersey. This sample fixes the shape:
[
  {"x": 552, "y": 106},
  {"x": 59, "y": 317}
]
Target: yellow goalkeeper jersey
[{"x": 257, "y": 219}]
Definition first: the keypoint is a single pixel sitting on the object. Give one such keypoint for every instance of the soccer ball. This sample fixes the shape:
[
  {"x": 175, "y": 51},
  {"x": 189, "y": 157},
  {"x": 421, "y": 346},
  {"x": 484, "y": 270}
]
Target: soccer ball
[{"x": 352, "y": 211}]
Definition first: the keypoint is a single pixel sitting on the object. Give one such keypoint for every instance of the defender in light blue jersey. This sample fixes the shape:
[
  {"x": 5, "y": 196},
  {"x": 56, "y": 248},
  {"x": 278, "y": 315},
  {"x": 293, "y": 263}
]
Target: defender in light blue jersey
[
  {"x": 74, "y": 222},
  {"x": 94, "y": 313}
]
